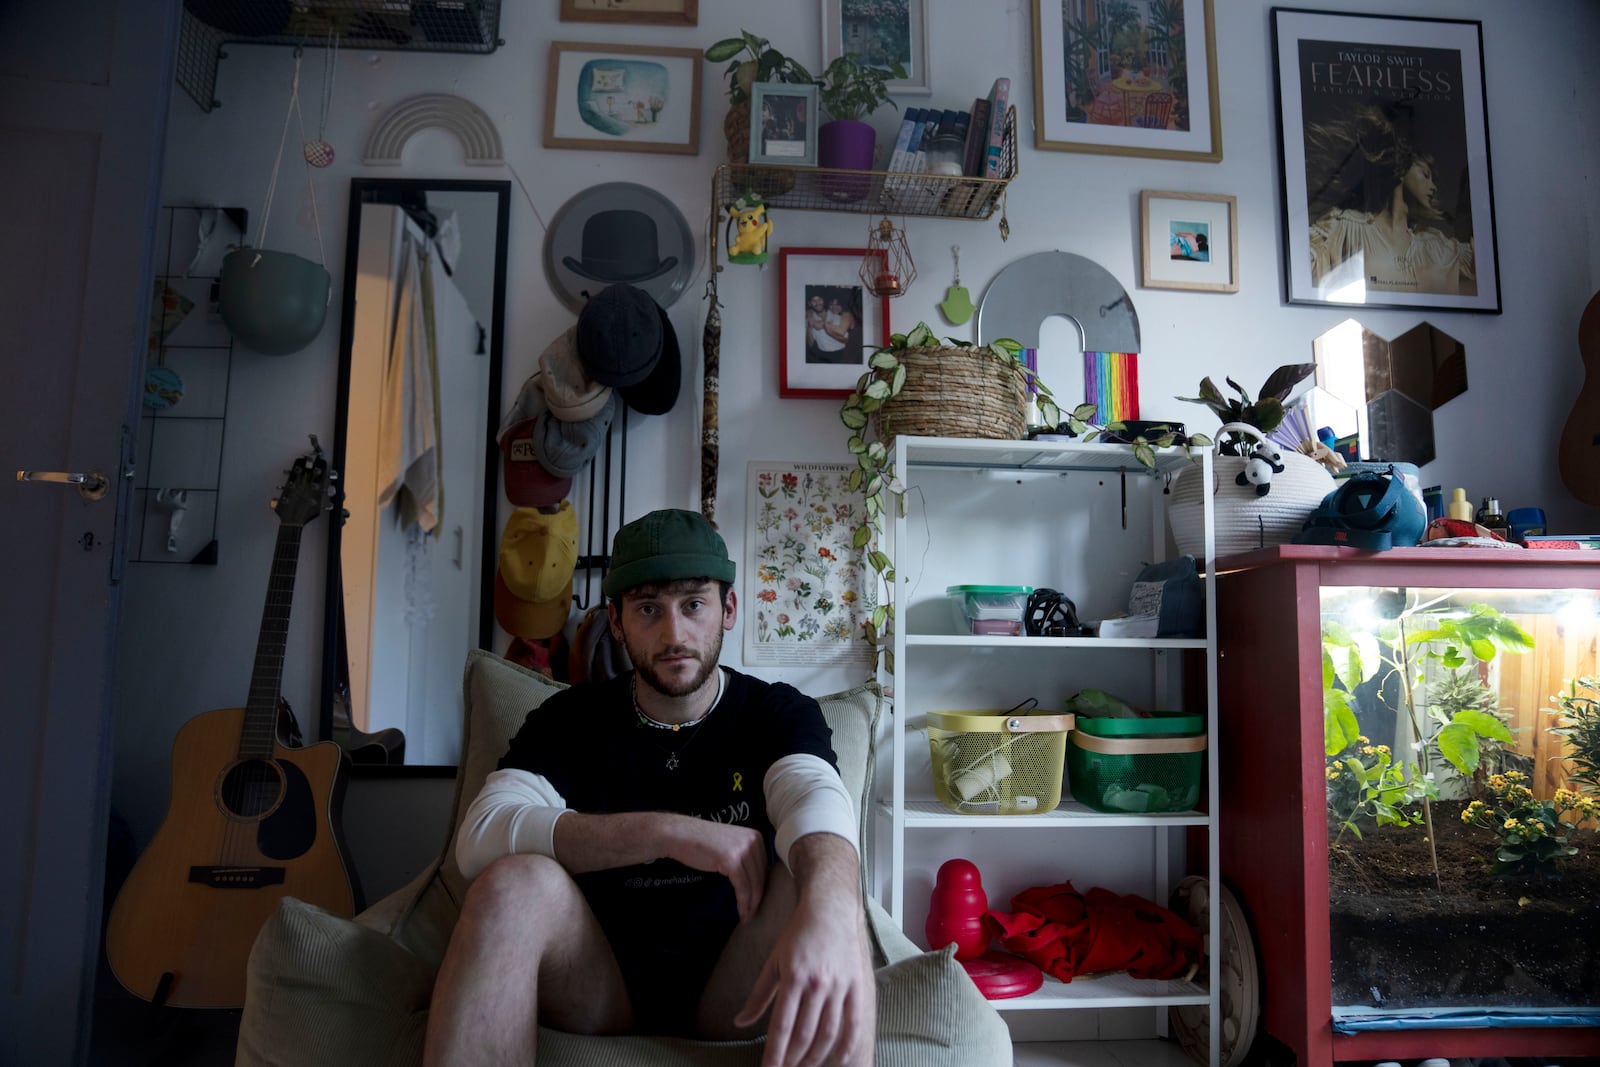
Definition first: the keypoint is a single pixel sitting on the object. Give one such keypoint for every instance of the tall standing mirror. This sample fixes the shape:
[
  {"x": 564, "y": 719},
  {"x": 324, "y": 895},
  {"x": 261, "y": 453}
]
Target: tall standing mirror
[{"x": 411, "y": 569}]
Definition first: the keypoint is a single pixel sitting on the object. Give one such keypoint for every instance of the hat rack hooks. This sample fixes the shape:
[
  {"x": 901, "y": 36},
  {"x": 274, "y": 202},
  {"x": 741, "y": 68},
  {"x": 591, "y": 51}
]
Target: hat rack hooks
[{"x": 596, "y": 555}]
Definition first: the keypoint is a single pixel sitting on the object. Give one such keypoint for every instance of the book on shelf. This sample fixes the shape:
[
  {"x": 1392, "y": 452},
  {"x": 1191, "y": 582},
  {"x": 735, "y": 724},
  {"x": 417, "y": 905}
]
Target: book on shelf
[
  {"x": 897, "y": 158},
  {"x": 999, "y": 96},
  {"x": 976, "y": 152}
]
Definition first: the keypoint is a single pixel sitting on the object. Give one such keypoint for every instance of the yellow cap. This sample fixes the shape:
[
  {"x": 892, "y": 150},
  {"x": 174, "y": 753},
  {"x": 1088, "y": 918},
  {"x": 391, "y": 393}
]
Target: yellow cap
[{"x": 1460, "y": 506}]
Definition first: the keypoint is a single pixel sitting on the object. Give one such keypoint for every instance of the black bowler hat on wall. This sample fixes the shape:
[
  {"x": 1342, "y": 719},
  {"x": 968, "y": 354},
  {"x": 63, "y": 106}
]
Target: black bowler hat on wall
[
  {"x": 620, "y": 246},
  {"x": 618, "y": 233}
]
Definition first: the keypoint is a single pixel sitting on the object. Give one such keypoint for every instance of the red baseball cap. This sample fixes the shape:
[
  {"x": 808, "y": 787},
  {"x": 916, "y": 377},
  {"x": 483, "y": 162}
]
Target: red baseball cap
[{"x": 528, "y": 484}]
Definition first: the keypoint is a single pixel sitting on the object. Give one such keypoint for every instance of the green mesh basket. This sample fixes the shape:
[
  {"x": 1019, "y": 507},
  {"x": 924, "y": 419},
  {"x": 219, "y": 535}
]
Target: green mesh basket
[
  {"x": 997, "y": 762},
  {"x": 1135, "y": 774}
]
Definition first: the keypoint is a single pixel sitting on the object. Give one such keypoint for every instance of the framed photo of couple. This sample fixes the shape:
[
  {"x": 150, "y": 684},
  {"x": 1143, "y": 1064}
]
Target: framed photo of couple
[
  {"x": 1384, "y": 140},
  {"x": 828, "y": 322}
]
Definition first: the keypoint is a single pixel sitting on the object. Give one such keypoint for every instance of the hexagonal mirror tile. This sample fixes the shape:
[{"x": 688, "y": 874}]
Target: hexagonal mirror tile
[{"x": 1385, "y": 392}]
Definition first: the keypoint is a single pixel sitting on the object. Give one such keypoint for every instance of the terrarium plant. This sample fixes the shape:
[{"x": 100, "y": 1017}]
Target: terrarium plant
[
  {"x": 1532, "y": 836},
  {"x": 874, "y": 475},
  {"x": 1401, "y": 649},
  {"x": 1265, "y": 412},
  {"x": 1578, "y": 722}
]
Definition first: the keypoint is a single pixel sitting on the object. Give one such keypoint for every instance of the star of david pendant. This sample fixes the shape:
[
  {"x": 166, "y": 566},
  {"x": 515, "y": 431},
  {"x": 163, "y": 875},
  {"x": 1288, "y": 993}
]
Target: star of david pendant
[{"x": 672, "y": 762}]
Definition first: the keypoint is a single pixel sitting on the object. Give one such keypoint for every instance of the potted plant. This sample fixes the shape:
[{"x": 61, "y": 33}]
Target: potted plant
[
  {"x": 851, "y": 91},
  {"x": 868, "y": 414},
  {"x": 752, "y": 59},
  {"x": 1248, "y": 514}
]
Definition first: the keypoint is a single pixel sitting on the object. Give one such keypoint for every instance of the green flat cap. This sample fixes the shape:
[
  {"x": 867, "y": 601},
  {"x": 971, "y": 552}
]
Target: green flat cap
[{"x": 665, "y": 546}]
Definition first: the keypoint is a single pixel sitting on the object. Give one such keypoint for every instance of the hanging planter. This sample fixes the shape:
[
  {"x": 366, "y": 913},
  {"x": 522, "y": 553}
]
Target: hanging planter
[{"x": 276, "y": 302}]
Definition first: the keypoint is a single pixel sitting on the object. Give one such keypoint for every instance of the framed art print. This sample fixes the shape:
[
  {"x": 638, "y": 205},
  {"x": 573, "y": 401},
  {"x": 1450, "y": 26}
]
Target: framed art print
[
  {"x": 1127, "y": 80},
  {"x": 623, "y": 98},
  {"x": 783, "y": 124},
  {"x": 1384, "y": 140},
  {"x": 828, "y": 322},
  {"x": 880, "y": 33},
  {"x": 1189, "y": 241},
  {"x": 662, "y": 12}
]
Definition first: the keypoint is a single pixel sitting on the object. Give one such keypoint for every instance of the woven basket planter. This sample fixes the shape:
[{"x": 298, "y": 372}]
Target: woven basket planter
[
  {"x": 955, "y": 392},
  {"x": 1245, "y": 521}
]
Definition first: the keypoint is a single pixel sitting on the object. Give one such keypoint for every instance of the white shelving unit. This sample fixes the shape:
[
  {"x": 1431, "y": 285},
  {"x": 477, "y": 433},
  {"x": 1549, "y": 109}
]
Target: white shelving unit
[{"x": 1082, "y": 519}]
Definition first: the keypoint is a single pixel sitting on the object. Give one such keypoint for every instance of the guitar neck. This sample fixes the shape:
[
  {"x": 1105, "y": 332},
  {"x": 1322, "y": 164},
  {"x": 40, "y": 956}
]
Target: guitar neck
[{"x": 266, "y": 679}]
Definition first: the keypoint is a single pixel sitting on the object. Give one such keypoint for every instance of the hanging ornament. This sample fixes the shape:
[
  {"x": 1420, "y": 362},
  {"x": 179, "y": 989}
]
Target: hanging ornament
[
  {"x": 887, "y": 269},
  {"x": 318, "y": 152},
  {"x": 957, "y": 303}
]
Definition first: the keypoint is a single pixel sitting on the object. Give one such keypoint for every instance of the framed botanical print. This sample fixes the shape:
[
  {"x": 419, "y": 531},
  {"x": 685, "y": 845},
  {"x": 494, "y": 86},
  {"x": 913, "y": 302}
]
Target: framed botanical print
[
  {"x": 1127, "y": 79},
  {"x": 1189, "y": 241},
  {"x": 828, "y": 322},
  {"x": 1384, "y": 140},
  {"x": 880, "y": 33},
  {"x": 623, "y": 98}
]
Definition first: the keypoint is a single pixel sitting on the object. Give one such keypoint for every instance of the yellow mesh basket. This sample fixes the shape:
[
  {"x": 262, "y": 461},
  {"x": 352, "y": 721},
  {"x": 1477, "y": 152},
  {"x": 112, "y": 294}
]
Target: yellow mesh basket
[{"x": 997, "y": 762}]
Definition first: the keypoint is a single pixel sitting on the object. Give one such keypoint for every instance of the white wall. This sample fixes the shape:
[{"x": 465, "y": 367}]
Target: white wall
[{"x": 189, "y": 632}]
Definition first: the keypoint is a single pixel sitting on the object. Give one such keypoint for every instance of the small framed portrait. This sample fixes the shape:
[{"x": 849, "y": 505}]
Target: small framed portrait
[
  {"x": 657, "y": 12},
  {"x": 880, "y": 33},
  {"x": 1388, "y": 199},
  {"x": 623, "y": 98},
  {"x": 1189, "y": 241},
  {"x": 828, "y": 322},
  {"x": 783, "y": 124}
]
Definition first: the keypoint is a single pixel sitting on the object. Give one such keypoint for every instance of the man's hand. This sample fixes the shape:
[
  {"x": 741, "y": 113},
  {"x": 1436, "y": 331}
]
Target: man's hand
[
  {"x": 600, "y": 842},
  {"x": 735, "y": 851},
  {"x": 817, "y": 980}
]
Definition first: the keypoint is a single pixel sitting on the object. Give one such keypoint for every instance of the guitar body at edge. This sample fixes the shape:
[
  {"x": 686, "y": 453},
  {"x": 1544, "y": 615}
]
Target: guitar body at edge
[{"x": 239, "y": 835}]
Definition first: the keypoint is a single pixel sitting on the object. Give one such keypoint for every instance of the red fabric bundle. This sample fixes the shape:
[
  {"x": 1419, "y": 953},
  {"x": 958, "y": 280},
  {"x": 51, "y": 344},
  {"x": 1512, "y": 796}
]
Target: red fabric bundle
[{"x": 1068, "y": 934}]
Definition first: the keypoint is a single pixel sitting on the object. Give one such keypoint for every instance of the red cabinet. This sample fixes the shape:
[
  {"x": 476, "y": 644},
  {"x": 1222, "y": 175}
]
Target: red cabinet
[{"x": 1273, "y": 786}]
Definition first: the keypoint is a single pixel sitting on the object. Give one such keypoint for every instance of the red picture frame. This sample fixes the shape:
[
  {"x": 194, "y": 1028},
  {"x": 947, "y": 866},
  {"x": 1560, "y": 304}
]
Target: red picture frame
[{"x": 823, "y": 350}]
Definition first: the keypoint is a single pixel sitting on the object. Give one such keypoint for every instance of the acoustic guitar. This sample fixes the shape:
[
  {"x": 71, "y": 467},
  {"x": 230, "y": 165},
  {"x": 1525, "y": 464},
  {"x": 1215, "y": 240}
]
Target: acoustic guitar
[
  {"x": 250, "y": 820},
  {"x": 1578, "y": 454}
]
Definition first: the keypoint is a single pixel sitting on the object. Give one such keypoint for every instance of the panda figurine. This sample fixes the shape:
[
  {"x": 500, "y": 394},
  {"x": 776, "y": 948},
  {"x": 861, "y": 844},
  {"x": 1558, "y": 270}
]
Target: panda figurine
[{"x": 1263, "y": 462}]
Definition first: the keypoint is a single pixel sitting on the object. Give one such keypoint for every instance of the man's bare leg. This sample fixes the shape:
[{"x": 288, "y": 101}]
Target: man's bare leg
[
  {"x": 742, "y": 959},
  {"x": 526, "y": 950}
]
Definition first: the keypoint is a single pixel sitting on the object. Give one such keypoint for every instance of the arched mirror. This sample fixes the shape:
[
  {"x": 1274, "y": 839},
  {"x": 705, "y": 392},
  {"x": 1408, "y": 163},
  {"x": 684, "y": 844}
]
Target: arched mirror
[{"x": 411, "y": 569}]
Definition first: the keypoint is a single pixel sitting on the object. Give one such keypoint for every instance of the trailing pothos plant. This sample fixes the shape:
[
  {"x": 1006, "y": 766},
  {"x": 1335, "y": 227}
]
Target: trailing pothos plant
[{"x": 874, "y": 475}]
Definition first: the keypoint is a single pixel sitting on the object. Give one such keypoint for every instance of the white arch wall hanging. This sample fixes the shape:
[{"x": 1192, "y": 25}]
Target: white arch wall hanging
[{"x": 480, "y": 141}]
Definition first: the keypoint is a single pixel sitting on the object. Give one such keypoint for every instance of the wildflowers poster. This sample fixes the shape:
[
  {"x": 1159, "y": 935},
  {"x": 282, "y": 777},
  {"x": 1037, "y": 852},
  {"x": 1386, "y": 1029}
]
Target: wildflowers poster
[{"x": 806, "y": 592}]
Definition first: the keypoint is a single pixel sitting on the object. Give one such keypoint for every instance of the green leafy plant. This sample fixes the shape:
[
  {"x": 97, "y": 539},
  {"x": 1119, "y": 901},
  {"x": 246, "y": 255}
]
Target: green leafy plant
[
  {"x": 1265, "y": 412},
  {"x": 1455, "y": 703},
  {"x": 874, "y": 474},
  {"x": 1364, "y": 782},
  {"x": 1533, "y": 835},
  {"x": 753, "y": 59},
  {"x": 1399, "y": 647},
  {"x": 852, "y": 90},
  {"x": 1579, "y": 725},
  {"x": 1080, "y": 423}
]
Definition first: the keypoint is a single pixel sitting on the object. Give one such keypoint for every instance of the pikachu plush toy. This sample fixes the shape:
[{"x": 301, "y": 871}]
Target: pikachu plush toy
[{"x": 748, "y": 230}]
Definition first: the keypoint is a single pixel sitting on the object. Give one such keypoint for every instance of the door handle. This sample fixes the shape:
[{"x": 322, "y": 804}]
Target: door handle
[{"x": 91, "y": 486}]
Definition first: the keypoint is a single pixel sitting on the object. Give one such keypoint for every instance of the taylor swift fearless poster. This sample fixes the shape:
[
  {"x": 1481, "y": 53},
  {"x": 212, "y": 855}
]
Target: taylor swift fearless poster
[{"x": 1385, "y": 148}]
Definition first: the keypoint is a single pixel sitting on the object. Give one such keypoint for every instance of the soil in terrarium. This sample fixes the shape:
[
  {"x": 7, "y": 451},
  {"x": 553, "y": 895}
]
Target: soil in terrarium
[{"x": 1400, "y": 940}]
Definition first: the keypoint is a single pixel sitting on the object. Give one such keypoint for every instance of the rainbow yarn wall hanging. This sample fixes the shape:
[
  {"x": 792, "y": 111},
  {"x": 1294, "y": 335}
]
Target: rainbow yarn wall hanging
[{"x": 1111, "y": 384}]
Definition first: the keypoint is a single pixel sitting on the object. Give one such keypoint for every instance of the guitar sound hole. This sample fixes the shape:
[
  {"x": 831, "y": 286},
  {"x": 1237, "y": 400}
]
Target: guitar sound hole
[{"x": 251, "y": 788}]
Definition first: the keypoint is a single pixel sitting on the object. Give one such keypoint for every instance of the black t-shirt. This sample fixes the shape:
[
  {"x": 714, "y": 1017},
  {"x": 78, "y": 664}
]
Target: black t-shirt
[{"x": 588, "y": 742}]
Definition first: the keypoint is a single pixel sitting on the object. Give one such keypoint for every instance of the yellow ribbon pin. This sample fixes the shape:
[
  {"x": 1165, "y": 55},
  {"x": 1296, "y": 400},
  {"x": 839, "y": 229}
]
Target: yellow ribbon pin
[{"x": 738, "y": 782}]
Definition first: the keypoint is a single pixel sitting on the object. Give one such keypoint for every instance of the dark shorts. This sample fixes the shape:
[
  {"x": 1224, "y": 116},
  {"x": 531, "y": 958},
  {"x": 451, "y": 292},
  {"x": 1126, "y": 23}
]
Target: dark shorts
[{"x": 665, "y": 982}]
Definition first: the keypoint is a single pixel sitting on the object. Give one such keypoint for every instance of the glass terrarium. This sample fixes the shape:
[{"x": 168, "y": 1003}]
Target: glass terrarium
[{"x": 1462, "y": 752}]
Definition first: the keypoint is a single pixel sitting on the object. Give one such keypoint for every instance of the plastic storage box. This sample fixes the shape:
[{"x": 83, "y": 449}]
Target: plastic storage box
[
  {"x": 989, "y": 609},
  {"x": 1137, "y": 765},
  {"x": 997, "y": 762}
]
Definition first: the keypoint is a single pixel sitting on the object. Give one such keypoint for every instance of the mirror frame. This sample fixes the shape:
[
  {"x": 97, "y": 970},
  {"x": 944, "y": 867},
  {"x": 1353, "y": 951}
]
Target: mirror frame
[{"x": 381, "y": 190}]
